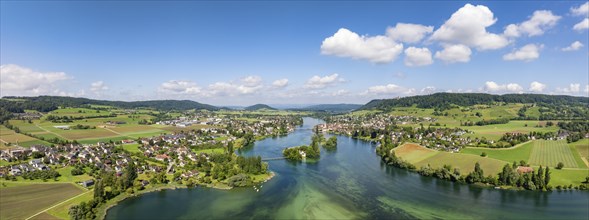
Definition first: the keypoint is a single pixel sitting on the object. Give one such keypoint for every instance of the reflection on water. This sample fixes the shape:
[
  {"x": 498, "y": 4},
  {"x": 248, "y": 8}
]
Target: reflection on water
[{"x": 350, "y": 183}]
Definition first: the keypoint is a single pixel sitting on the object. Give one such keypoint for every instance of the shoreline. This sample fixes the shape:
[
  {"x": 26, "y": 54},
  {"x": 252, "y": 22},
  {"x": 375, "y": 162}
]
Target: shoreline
[
  {"x": 101, "y": 213},
  {"x": 482, "y": 185}
]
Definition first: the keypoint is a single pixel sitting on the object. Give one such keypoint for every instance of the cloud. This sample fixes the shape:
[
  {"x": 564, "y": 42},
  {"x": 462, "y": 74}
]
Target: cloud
[
  {"x": 18, "y": 80},
  {"x": 537, "y": 87},
  {"x": 582, "y": 10},
  {"x": 584, "y": 24},
  {"x": 377, "y": 49},
  {"x": 428, "y": 90},
  {"x": 388, "y": 89},
  {"x": 252, "y": 81},
  {"x": 535, "y": 26},
  {"x": 317, "y": 82},
  {"x": 180, "y": 87},
  {"x": 418, "y": 56},
  {"x": 98, "y": 86},
  {"x": 341, "y": 92},
  {"x": 408, "y": 33},
  {"x": 574, "y": 46},
  {"x": 454, "y": 53},
  {"x": 491, "y": 86},
  {"x": 281, "y": 83},
  {"x": 528, "y": 52},
  {"x": 467, "y": 26},
  {"x": 572, "y": 88}
]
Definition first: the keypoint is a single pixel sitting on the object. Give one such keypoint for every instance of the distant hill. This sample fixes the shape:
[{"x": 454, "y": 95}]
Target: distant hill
[
  {"x": 48, "y": 103},
  {"x": 332, "y": 107},
  {"x": 440, "y": 100},
  {"x": 258, "y": 107}
]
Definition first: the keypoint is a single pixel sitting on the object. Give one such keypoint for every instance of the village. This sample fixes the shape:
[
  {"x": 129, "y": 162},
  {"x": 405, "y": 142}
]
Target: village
[{"x": 181, "y": 154}]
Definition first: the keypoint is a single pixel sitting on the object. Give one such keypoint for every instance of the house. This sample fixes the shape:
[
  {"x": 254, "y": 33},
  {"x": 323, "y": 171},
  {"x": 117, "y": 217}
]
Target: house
[
  {"x": 62, "y": 127},
  {"x": 87, "y": 183},
  {"x": 521, "y": 169}
]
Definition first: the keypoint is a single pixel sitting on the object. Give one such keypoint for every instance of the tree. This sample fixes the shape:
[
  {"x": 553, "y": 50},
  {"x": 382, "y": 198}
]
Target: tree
[
  {"x": 99, "y": 191},
  {"x": 484, "y": 154},
  {"x": 560, "y": 165},
  {"x": 547, "y": 176}
]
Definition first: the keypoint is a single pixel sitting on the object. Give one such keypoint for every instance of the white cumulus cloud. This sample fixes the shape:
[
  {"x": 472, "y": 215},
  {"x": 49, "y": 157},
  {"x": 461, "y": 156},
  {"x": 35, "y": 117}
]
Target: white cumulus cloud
[
  {"x": 409, "y": 33},
  {"x": 571, "y": 89},
  {"x": 418, "y": 56},
  {"x": 537, "y": 87},
  {"x": 180, "y": 87},
  {"x": 280, "y": 83},
  {"x": 574, "y": 46},
  {"x": 582, "y": 10},
  {"x": 538, "y": 23},
  {"x": 18, "y": 80},
  {"x": 389, "y": 89},
  {"x": 528, "y": 52},
  {"x": 98, "y": 86},
  {"x": 377, "y": 49},
  {"x": 583, "y": 25},
  {"x": 491, "y": 86},
  {"x": 318, "y": 82},
  {"x": 468, "y": 26},
  {"x": 454, "y": 53}
]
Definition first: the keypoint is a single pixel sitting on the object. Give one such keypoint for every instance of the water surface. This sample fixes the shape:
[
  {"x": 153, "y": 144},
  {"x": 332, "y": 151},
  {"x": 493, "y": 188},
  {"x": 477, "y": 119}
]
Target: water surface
[{"x": 350, "y": 183}]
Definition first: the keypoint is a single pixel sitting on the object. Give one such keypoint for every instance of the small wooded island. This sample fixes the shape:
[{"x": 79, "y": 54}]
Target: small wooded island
[{"x": 299, "y": 153}]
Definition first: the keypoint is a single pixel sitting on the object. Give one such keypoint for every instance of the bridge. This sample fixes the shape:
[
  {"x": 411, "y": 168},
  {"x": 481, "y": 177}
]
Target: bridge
[{"x": 273, "y": 158}]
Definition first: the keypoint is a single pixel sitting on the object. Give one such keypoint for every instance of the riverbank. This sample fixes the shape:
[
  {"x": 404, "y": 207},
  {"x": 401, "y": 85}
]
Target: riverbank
[{"x": 101, "y": 212}]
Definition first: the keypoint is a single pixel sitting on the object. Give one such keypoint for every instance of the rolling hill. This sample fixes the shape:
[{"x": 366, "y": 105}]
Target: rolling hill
[{"x": 257, "y": 107}]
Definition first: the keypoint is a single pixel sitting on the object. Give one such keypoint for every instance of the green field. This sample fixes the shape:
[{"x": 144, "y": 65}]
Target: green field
[
  {"x": 568, "y": 176},
  {"x": 421, "y": 157},
  {"x": 494, "y": 132},
  {"x": 210, "y": 151},
  {"x": 132, "y": 148},
  {"x": 61, "y": 211},
  {"x": 24, "y": 201},
  {"x": 550, "y": 153},
  {"x": 517, "y": 153}
]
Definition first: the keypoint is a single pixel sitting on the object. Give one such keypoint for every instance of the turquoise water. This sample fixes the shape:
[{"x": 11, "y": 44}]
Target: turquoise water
[{"x": 350, "y": 183}]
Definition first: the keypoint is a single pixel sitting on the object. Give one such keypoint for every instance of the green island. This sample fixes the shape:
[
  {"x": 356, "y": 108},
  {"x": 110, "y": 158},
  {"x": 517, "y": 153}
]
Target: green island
[{"x": 86, "y": 155}]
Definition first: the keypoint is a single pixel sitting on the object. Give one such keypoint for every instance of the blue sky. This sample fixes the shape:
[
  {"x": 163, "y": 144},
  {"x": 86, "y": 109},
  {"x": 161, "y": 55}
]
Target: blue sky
[{"x": 241, "y": 53}]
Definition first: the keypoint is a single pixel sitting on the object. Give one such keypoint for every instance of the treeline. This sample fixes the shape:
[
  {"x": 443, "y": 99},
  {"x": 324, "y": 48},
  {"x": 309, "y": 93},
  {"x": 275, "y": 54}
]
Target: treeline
[
  {"x": 576, "y": 129},
  {"x": 486, "y": 122},
  {"x": 446, "y": 100},
  {"x": 49, "y": 103},
  {"x": 68, "y": 119}
]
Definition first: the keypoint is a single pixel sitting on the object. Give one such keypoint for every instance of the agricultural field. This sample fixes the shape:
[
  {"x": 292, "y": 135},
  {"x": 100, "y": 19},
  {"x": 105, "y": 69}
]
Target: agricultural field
[
  {"x": 550, "y": 153},
  {"x": 516, "y": 153},
  {"x": 421, "y": 157},
  {"x": 9, "y": 136},
  {"x": 495, "y": 131},
  {"x": 21, "y": 202},
  {"x": 538, "y": 152},
  {"x": 582, "y": 147},
  {"x": 61, "y": 211}
]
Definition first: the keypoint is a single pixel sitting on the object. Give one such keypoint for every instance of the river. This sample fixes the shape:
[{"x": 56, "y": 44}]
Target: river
[{"x": 350, "y": 183}]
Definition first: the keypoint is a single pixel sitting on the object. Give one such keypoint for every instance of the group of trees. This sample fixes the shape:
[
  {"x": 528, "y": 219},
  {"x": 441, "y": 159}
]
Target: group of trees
[
  {"x": 486, "y": 122},
  {"x": 445, "y": 100},
  {"x": 530, "y": 181},
  {"x": 108, "y": 185},
  {"x": 41, "y": 174},
  {"x": 83, "y": 127},
  {"x": 576, "y": 129},
  {"x": 253, "y": 165},
  {"x": 331, "y": 143},
  {"x": 68, "y": 119}
]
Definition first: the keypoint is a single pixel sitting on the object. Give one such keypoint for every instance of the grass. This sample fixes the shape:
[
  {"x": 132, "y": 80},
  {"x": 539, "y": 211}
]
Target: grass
[
  {"x": 517, "y": 153},
  {"x": 61, "y": 211},
  {"x": 464, "y": 162},
  {"x": 550, "y": 153},
  {"x": 66, "y": 175},
  {"x": 414, "y": 153},
  {"x": 582, "y": 147},
  {"x": 421, "y": 157},
  {"x": 23, "y": 201},
  {"x": 567, "y": 176},
  {"x": 495, "y": 131},
  {"x": 210, "y": 151},
  {"x": 132, "y": 148}
]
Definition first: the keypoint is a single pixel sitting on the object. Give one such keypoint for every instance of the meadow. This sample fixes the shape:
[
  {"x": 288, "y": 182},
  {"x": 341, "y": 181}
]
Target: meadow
[
  {"x": 550, "y": 153},
  {"x": 20, "y": 202},
  {"x": 516, "y": 153}
]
